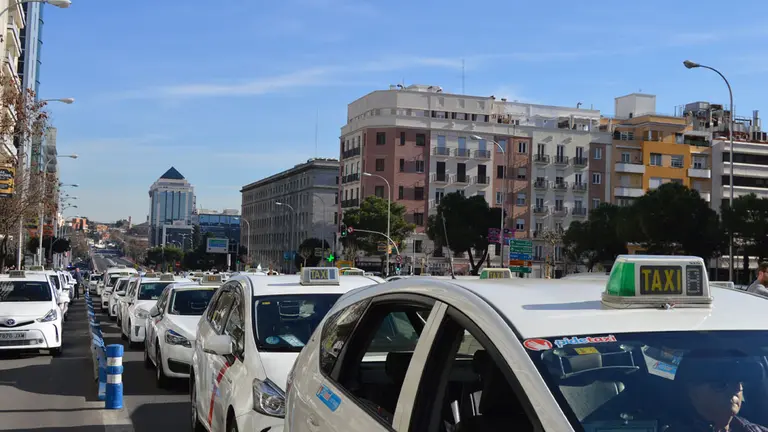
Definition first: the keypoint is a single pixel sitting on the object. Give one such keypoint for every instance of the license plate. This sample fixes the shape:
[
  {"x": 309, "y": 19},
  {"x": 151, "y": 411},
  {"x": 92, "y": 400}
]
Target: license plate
[{"x": 12, "y": 335}]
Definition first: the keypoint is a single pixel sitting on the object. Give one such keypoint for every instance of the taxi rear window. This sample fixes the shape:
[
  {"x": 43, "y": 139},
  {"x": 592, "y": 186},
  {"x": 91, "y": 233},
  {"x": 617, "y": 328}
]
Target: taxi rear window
[{"x": 657, "y": 381}]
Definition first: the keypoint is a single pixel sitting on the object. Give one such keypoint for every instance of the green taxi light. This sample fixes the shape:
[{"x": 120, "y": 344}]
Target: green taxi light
[
  {"x": 496, "y": 273},
  {"x": 653, "y": 281}
]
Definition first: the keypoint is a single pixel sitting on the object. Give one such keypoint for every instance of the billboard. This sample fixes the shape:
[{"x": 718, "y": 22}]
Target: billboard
[
  {"x": 7, "y": 174},
  {"x": 217, "y": 245}
]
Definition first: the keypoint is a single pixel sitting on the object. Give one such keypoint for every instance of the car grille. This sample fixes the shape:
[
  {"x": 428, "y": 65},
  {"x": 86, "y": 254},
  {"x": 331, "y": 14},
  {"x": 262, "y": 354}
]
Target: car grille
[
  {"x": 18, "y": 324},
  {"x": 6, "y": 343}
]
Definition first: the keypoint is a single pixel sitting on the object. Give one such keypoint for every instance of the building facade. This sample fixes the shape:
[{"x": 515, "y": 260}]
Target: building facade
[
  {"x": 427, "y": 143},
  {"x": 225, "y": 224},
  {"x": 171, "y": 204},
  {"x": 31, "y": 40},
  {"x": 289, "y": 207},
  {"x": 15, "y": 19}
]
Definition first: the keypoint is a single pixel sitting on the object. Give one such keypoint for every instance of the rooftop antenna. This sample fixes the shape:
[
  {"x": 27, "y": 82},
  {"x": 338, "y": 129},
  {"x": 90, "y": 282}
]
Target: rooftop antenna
[
  {"x": 317, "y": 118},
  {"x": 462, "y": 77}
]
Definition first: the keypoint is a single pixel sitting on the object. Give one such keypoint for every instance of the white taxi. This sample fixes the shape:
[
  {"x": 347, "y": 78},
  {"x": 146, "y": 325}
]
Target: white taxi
[
  {"x": 56, "y": 280},
  {"x": 172, "y": 327},
  {"x": 249, "y": 337},
  {"x": 117, "y": 291},
  {"x": 138, "y": 300},
  {"x": 30, "y": 313},
  {"x": 655, "y": 347},
  {"x": 93, "y": 282},
  {"x": 109, "y": 278}
]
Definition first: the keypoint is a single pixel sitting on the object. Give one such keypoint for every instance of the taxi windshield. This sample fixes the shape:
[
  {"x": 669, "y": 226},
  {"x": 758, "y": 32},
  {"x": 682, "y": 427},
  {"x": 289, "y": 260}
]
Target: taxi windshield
[
  {"x": 284, "y": 323},
  {"x": 24, "y": 291},
  {"x": 113, "y": 279},
  {"x": 191, "y": 302},
  {"x": 151, "y": 290},
  {"x": 674, "y": 381},
  {"x": 55, "y": 281}
]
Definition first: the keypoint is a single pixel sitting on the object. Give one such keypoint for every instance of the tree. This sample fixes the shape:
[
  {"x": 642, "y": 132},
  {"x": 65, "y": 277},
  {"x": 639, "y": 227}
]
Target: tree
[
  {"x": 23, "y": 118},
  {"x": 674, "y": 219},
  {"x": 747, "y": 221},
  {"x": 163, "y": 255},
  {"x": 372, "y": 216},
  {"x": 467, "y": 221},
  {"x": 306, "y": 256},
  {"x": 599, "y": 239}
]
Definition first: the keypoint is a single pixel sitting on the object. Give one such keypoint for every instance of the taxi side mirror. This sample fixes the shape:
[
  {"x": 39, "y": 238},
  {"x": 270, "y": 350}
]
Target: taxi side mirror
[
  {"x": 154, "y": 312},
  {"x": 217, "y": 345}
]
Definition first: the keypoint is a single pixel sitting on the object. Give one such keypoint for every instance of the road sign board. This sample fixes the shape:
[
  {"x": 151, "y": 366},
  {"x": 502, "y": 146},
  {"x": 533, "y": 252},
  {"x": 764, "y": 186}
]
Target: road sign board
[
  {"x": 520, "y": 269},
  {"x": 519, "y": 263},
  {"x": 521, "y": 243},
  {"x": 318, "y": 252},
  {"x": 399, "y": 259},
  {"x": 381, "y": 247},
  {"x": 520, "y": 256}
]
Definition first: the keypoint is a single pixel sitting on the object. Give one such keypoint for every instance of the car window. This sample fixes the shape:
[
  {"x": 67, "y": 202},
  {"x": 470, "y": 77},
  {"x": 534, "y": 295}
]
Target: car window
[
  {"x": 285, "y": 323},
  {"x": 151, "y": 290},
  {"x": 25, "y": 291},
  {"x": 220, "y": 313},
  {"x": 337, "y": 329},
  {"x": 211, "y": 309},
  {"x": 190, "y": 302},
  {"x": 378, "y": 354},
  {"x": 235, "y": 328},
  {"x": 163, "y": 299},
  {"x": 55, "y": 281}
]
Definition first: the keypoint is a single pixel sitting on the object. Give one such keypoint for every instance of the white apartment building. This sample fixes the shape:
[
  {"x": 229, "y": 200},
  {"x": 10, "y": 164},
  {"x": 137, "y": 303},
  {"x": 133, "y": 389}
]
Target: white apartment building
[{"x": 10, "y": 43}]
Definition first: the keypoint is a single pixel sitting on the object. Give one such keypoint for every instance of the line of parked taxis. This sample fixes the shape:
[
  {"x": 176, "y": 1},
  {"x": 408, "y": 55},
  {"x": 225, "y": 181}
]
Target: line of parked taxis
[
  {"x": 654, "y": 346},
  {"x": 34, "y": 303}
]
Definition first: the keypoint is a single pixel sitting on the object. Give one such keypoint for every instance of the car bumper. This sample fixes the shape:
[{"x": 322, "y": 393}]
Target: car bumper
[
  {"x": 41, "y": 336},
  {"x": 137, "y": 332},
  {"x": 177, "y": 360},
  {"x": 254, "y": 421}
]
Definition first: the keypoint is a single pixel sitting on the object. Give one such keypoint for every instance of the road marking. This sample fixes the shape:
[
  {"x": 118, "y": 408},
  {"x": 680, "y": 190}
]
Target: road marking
[{"x": 215, "y": 389}]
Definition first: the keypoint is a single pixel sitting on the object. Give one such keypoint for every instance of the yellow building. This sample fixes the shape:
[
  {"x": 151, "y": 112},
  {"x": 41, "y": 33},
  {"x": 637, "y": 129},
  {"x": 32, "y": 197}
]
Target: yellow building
[{"x": 650, "y": 149}]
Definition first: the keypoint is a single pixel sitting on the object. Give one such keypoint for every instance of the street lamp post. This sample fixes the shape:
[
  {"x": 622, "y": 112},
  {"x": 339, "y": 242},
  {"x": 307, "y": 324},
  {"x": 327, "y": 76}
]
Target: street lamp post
[
  {"x": 389, "y": 210},
  {"x": 40, "y": 223},
  {"x": 502, "y": 237},
  {"x": 692, "y": 65},
  {"x": 57, "y": 3},
  {"x": 247, "y": 239},
  {"x": 290, "y": 234}
]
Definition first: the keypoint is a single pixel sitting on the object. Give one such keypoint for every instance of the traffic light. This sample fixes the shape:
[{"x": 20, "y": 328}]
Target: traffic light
[{"x": 343, "y": 230}]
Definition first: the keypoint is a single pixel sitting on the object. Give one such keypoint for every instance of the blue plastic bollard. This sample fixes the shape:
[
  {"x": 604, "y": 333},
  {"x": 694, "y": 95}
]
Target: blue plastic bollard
[
  {"x": 114, "y": 390},
  {"x": 103, "y": 374}
]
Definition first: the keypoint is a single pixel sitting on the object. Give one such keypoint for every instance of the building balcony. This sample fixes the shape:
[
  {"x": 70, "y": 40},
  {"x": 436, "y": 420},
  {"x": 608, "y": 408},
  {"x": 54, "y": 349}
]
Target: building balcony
[
  {"x": 559, "y": 211},
  {"x": 561, "y": 160},
  {"x": 482, "y": 180},
  {"x": 541, "y": 184},
  {"x": 579, "y": 211},
  {"x": 706, "y": 196},
  {"x": 439, "y": 178},
  {"x": 350, "y": 153},
  {"x": 540, "y": 211},
  {"x": 441, "y": 151},
  {"x": 462, "y": 153},
  {"x": 350, "y": 178},
  {"x": 700, "y": 173},
  {"x": 630, "y": 192},
  {"x": 14, "y": 40},
  {"x": 579, "y": 162},
  {"x": 433, "y": 203},
  {"x": 560, "y": 186},
  {"x": 350, "y": 203},
  {"x": 482, "y": 154},
  {"x": 459, "y": 179},
  {"x": 541, "y": 159},
  {"x": 579, "y": 187},
  {"x": 628, "y": 167}
]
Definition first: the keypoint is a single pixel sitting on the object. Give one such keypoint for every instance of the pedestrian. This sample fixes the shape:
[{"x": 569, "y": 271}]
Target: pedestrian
[
  {"x": 760, "y": 285},
  {"x": 79, "y": 284}
]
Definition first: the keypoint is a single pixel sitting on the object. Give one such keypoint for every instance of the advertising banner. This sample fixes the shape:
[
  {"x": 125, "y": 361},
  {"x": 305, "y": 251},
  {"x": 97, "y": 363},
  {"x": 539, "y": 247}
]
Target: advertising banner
[
  {"x": 7, "y": 176},
  {"x": 217, "y": 245}
]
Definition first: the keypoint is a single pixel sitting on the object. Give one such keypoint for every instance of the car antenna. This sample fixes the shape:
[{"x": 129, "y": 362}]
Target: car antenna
[{"x": 450, "y": 254}]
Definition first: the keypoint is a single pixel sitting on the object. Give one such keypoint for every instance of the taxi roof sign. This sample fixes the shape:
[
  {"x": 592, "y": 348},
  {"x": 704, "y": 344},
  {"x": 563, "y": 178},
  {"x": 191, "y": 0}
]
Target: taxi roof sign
[
  {"x": 166, "y": 277},
  {"x": 650, "y": 281},
  {"x": 319, "y": 276},
  {"x": 36, "y": 268},
  {"x": 351, "y": 271},
  {"x": 17, "y": 274},
  {"x": 214, "y": 278},
  {"x": 150, "y": 275},
  {"x": 496, "y": 273}
]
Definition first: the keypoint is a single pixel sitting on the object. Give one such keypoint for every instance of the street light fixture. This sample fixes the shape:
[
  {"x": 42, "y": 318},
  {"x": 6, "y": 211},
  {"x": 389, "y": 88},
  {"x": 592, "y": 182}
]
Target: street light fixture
[
  {"x": 42, "y": 207},
  {"x": 693, "y": 65},
  {"x": 389, "y": 211},
  {"x": 502, "y": 237},
  {"x": 68, "y": 184},
  {"x": 67, "y": 101}
]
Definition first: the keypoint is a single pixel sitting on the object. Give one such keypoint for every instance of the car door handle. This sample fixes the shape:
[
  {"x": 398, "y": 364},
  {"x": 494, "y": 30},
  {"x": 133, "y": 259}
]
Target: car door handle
[{"x": 312, "y": 422}]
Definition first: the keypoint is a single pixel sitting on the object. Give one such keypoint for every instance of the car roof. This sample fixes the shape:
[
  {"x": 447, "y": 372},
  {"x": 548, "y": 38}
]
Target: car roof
[
  {"x": 184, "y": 286},
  {"x": 289, "y": 284},
  {"x": 157, "y": 279},
  {"x": 38, "y": 276},
  {"x": 545, "y": 308}
]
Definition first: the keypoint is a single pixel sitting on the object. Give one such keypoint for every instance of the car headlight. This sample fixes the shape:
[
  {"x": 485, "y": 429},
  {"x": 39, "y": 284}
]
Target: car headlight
[
  {"x": 268, "y": 399},
  {"x": 173, "y": 338},
  {"x": 142, "y": 314},
  {"x": 50, "y": 316}
]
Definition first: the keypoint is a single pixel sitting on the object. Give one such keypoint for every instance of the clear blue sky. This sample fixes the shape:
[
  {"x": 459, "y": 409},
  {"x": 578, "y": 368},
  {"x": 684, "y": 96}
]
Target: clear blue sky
[{"x": 228, "y": 91}]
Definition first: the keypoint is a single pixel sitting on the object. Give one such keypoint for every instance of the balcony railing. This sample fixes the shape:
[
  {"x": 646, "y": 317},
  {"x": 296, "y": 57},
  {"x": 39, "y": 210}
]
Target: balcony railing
[
  {"x": 579, "y": 187},
  {"x": 465, "y": 179},
  {"x": 540, "y": 211},
  {"x": 483, "y": 180},
  {"x": 579, "y": 161},
  {"x": 579, "y": 211},
  {"x": 439, "y": 178},
  {"x": 350, "y": 153},
  {"x": 561, "y": 186},
  {"x": 350, "y": 178},
  {"x": 560, "y": 211},
  {"x": 350, "y": 203},
  {"x": 561, "y": 160},
  {"x": 541, "y": 184},
  {"x": 441, "y": 151},
  {"x": 463, "y": 152},
  {"x": 482, "y": 154},
  {"x": 541, "y": 158}
]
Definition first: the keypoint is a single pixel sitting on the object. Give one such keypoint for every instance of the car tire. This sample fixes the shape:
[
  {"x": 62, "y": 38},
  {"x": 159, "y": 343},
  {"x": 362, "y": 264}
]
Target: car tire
[
  {"x": 232, "y": 427},
  {"x": 56, "y": 352},
  {"x": 162, "y": 378},
  {"x": 197, "y": 425},
  {"x": 147, "y": 361}
]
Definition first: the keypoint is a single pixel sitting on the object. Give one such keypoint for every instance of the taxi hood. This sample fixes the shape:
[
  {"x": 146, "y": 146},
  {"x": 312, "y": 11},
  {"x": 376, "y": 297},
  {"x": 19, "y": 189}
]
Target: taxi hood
[
  {"x": 144, "y": 304},
  {"x": 185, "y": 324},
  {"x": 24, "y": 309},
  {"x": 277, "y": 366}
]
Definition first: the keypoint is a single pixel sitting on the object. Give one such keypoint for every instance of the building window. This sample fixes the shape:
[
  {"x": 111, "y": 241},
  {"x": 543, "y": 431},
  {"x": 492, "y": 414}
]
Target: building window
[
  {"x": 499, "y": 197},
  {"x": 336, "y": 199},
  {"x": 439, "y": 194},
  {"x": 419, "y": 166},
  {"x": 381, "y": 138},
  {"x": 597, "y": 178},
  {"x": 402, "y": 138},
  {"x": 418, "y": 193},
  {"x": 400, "y": 192},
  {"x": 520, "y": 225},
  {"x": 421, "y": 140},
  {"x": 522, "y": 173},
  {"x": 335, "y": 218},
  {"x": 402, "y": 165},
  {"x": 497, "y": 249},
  {"x": 418, "y": 219},
  {"x": 520, "y": 199},
  {"x": 499, "y": 171},
  {"x": 522, "y": 147},
  {"x": 677, "y": 161},
  {"x": 441, "y": 140},
  {"x": 595, "y": 203},
  {"x": 699, "y": 162},
  {"x": 598, "y": 153},
  {"x": 625, "y": 157},
  {"x": 655, "y": 159},
  {"x": 418, "y": 246},
  {"x": 379, "y": 191},
  {"x": 379, "y": 164},
  {"x": 654, "y": 182},
  {"x": 503, "y": 144}
]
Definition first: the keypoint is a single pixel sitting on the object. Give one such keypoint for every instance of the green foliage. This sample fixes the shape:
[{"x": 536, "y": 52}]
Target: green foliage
[
  {"x": 306, "y": 253},
  {"x": 372, "y": 216},
  {"x": 164, "y": 256},
  {"x": 467, "y": 221},
  {"x": 597, "y": 240}
]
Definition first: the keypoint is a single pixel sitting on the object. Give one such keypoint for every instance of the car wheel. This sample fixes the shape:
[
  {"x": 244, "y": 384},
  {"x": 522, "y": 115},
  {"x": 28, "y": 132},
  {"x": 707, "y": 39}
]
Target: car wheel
[
  {"x": 162, "y": 379},
  {"x": 147, "y": 361},
  {"x": 232, "y": 426},
  {"x": 56, "y": 352},
  {"x": 197, "y": 426}
]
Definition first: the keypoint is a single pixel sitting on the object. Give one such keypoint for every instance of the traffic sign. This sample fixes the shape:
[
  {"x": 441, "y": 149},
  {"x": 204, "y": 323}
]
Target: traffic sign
[
  {"x": 350, "y": 230},
  {"x": 520, "y": 246},
  {"x": 399, "y": 259},
  {"x": 520, "y": 256},
  {"x": 318, "y": 252},
  {"x": 520, "y": 269},
  {"x": 519, "y": 263}
]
